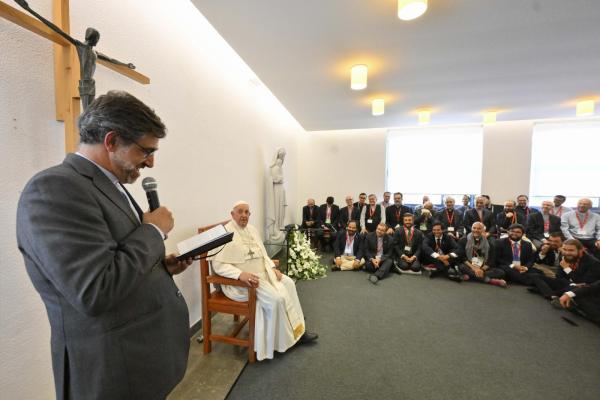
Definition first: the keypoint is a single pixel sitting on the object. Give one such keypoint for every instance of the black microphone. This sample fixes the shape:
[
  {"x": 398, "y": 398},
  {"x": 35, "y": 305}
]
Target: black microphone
[{"x": 149, "y": 184}]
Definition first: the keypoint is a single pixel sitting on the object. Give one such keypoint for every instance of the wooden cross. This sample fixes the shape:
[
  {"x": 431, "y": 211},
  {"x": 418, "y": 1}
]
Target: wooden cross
[{"x": 66, "y": 65}]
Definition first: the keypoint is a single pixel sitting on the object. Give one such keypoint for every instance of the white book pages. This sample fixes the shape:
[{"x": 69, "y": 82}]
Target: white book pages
[{"x": 201, "y": 239}]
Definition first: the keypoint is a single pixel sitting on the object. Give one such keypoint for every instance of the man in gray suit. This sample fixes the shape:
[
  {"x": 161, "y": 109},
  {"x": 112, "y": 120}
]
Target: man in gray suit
[{"x": 119, "y": 324}]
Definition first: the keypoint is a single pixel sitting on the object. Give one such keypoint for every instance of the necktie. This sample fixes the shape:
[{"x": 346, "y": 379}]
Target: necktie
[
  {"x": 132, "y": 203},
  {"x": 515, "y": 248},
  {"x": 438, "y": 245}
]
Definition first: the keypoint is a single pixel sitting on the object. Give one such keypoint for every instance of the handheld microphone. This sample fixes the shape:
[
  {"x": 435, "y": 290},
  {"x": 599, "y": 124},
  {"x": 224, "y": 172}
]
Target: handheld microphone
[{"x": 150, "y": 185}]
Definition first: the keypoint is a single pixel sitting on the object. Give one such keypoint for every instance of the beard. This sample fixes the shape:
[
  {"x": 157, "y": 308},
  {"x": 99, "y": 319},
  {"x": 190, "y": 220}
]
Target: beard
[
  {"x": 570, "y": 259},
  {"x": 128, "y": 171}
]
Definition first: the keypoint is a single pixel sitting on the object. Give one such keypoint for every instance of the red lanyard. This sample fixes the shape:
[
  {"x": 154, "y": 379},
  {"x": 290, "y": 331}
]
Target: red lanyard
[
  {"x": 348, "y": 241},
  {"x": 448, "y": 216},
  {"x": 559, "y": 212},
  {"x": 546, "y": 225},
  {"x": 581, "y": 225},
  {"x": 412, "y": 233},
  {"x": 480, "y": 216},
  {"x": 514, "y": 217},
  {"x": 372, "y": 211},
  {"x": 398, "y": 211}
]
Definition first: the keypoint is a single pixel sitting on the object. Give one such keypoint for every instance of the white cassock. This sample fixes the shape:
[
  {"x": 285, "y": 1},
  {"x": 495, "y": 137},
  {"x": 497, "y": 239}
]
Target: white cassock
[{"x": 279, "y": 319}]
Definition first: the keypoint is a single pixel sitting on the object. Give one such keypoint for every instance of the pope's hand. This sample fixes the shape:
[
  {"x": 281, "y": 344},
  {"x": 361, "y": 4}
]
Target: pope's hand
[
  {"x": 278, "y": 274},
  {"x": 174, "y": 266},
  {"x": 249, "y": 279}
]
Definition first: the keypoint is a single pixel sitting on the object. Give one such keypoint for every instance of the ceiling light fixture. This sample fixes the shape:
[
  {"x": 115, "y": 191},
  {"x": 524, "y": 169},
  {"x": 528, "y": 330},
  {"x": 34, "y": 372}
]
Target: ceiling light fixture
[
  {"x": 585, "y": 108},
  {"x": 411, "y": 9},
  {"x": 424, "y": 117},
  {"x": 358, "y": 77},
  {"x": 489, "y": 117},
  {"x": 378, "y": 107}
]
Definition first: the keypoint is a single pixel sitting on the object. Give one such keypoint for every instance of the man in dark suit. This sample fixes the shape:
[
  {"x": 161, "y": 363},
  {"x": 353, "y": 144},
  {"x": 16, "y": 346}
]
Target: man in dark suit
[
  {"x": 480, "y": 214},
  {"x": 508, "y": 217},
  {"x": 440, "y": 251},
  {"x": 311, "y": 222},
  {"x": 541, "y": 224},
  {"x": 378, "y": 248},
  {"x": 120, "y": 327},
  {"x": 394, "y": 213},
  {"x": 360, "y": 204},
  {"x": 329, "y": 215},
  {"x": 451, "y": 219},
  {"x": 515, "y": 256},
  {"x": 577, "y": 268},
  {"x": 424, "y": 217},
  {"x": 584, "y": 299},
  {"x": 348, "y": 249},
  {"x": 523, "y": 207},
  {"x": 348, "y": 213},
  {"x": 407, "y": 247},
  {"x": 371, "y": 215},
  {"x": 548, "y": 257}
]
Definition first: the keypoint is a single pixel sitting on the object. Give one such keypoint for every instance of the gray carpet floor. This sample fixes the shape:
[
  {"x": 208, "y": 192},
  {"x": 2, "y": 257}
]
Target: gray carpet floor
[{"x": 409, "y": 337}]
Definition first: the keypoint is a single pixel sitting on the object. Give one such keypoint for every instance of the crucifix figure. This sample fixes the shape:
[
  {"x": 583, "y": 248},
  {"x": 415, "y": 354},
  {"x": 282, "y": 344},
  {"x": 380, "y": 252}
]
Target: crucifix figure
[{"x": 86, "y": 54}]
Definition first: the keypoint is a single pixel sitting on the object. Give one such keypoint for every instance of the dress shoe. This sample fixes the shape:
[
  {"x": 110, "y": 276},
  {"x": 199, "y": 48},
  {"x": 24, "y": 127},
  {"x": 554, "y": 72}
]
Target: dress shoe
[
  {"x": 498, "y": 282},
  {"x": 373, "y": 279},
  {"x": 335, "y": 268},
  {"x": 308, "y": 337},
  {"x": 397, "y": 269}
]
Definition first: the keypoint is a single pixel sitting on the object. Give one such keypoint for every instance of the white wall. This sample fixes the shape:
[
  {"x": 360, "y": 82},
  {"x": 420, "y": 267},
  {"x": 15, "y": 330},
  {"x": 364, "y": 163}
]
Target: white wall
[
  {"x": 353, "y": 161},
  {"x": 224, "y": 129}
]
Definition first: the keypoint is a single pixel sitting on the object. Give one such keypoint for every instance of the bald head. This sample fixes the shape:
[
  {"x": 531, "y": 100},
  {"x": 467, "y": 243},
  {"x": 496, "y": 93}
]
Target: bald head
[{"x": 583, "y": 205}]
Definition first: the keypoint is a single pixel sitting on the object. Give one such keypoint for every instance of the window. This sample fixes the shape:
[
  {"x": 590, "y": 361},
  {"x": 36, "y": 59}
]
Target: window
[
  {"x": 434, "y": 162},
  {"x": 565, "y": 160}
]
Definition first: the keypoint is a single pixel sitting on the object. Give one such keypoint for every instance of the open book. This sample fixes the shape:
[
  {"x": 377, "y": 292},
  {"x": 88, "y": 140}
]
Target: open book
[{"x": 204, "y": 242}]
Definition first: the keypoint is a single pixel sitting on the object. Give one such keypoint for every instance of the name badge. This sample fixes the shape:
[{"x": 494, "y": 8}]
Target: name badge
[
  {"x": 477, "y": 261},
  {"x": 397, "y": 226},
  {"x": 450, "y": 229},
  {"x": 369, "y": 221},
  {"x": 407, "y": 248},
  {"x": 546, "y": 235},
  {"x": 423, "y": 227},
  {"x": 328, "y": 221},
  {"x": 580, "y": 232},
  {"x": 516, "y": 263}
]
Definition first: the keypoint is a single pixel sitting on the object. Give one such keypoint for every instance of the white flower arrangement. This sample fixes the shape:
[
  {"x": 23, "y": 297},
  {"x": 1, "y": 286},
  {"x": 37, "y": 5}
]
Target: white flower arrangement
[{"x": 303, "y": 262}]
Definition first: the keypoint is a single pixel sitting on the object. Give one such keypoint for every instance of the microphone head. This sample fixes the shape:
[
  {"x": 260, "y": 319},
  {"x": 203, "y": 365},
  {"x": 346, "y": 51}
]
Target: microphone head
[{"x": 149, "y": 184}]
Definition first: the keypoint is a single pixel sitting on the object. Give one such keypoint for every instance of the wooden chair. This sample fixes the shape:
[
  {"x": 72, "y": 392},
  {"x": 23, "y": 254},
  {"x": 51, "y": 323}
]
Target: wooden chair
[{"x": 216, "y": 301}]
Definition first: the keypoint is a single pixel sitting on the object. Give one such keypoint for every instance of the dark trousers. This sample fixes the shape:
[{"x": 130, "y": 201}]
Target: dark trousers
[
  {"x": 590, "y": 307},
  {"x": 551, "y": 286},
  {"x": 490, "y": 273},
  {"x": 441, "y": 268},
  {"x": 415, "y": 266},
  {"x": 384, "y": 267},
  {"x": 525, "y": 278}
]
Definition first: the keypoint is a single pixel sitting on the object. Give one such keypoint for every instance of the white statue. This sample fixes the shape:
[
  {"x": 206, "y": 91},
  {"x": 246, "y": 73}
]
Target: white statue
[{"x": 276, "y": 203}]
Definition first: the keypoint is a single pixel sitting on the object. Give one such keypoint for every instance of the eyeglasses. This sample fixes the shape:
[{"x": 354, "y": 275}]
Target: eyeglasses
[{"x": 147, "y": 151}]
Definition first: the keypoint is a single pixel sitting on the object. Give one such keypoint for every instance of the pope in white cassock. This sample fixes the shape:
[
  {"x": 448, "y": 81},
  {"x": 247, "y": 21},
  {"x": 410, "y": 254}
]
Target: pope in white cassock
[{"x": 279, "y": 322}]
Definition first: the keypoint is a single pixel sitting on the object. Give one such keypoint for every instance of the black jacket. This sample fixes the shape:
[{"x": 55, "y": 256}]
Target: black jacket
[
  {"x": 393, "y": 215},
  {"x": 535, "y": 225},
  {"x": 340, "y": 244},
  {"x": 472, "y": 216},
  {"x": 370, "y": 246},
  {"x": 400, "y": 241},
  {"x": 503, "y": 254},
  {"x": 447, "y": 244}
]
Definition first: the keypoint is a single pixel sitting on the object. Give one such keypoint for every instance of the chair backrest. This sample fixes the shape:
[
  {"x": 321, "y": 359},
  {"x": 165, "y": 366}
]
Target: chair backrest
[{"x": 204, "y": 263}]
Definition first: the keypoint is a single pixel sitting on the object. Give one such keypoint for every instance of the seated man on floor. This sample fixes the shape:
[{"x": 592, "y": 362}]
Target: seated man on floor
[
  {"x": 348, "y": 213},
  {"x": 559, "y": 209},
  {"x": 279, "y": 321},
  {"x": 577, "y": 268},
  {"x": 394, "y": 213},
  {"x": 378, "y": 250},
  {"x": 584, "y": 225},
  {"x": 480, "y": 214},
  {"x": 515, "y": 256},
  {"x": 371, "y": 215},
  {"x": 508, "y": 217},
  {"x": 523, "y": 207},
  {"x": 584, "y": 300},
  {"x": 548, "y": 257},
  {"x": 407, "y": 247},
  {"x": 475, "y": 258},
  {"x": 451, "y": 219},
  {"x": 424, "y": 217},
  {"x": 440, "y": 251},
  {"x": 541, "y": 224},
  {"x": 348, "y": 249}
]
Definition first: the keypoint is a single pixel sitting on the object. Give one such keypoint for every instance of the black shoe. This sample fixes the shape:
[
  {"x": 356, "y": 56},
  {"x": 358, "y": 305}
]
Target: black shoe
[
  {"x": 308, "y": 337},
  {"x": 455, "y": 278},
  {"x": 373, "y": 279},
  {"x": 335, "y": 268},
  {"x": 397, "y": 269}
]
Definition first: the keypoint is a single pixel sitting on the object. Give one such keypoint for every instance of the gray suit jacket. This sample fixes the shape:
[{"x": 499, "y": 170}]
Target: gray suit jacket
[{"x": 120, "y": 327}]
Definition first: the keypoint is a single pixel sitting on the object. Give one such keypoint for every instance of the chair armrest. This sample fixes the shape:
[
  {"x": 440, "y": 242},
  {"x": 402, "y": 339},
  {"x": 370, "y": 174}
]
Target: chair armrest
[{"x": 214, "y": 279}]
